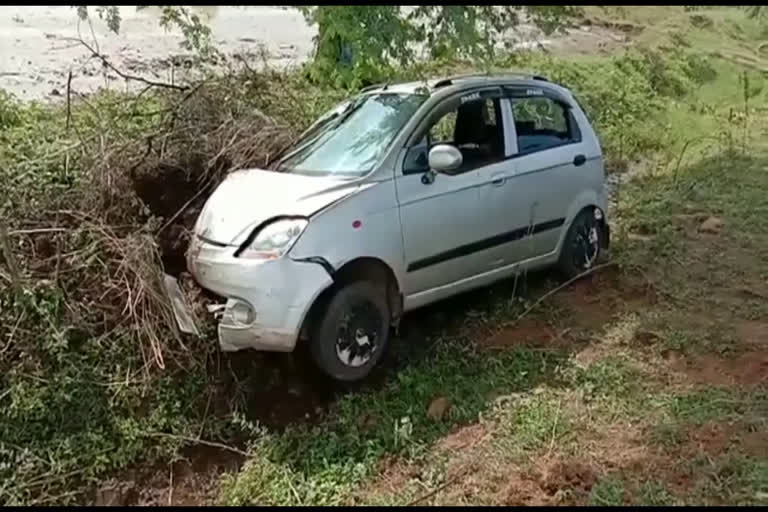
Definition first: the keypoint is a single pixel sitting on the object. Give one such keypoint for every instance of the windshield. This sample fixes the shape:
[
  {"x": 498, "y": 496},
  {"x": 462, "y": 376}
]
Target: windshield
[{"x": 352, "y": 138}]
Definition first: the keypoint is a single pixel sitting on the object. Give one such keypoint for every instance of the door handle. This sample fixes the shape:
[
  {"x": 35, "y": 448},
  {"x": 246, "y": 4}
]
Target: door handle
[
  {"x": 498, "y": 180},
  {"x": 579, "y": 160}
]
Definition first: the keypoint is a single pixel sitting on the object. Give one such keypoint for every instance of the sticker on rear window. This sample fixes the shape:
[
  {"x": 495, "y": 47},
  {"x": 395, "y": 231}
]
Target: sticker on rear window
[{"x": 534, "y": 92}]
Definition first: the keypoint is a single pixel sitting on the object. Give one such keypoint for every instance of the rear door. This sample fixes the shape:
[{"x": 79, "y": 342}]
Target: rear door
[{"x": 547, "y": 177}]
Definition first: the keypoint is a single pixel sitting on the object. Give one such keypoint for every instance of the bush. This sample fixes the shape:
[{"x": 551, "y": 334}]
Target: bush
[{"x": 96, "y": 207}]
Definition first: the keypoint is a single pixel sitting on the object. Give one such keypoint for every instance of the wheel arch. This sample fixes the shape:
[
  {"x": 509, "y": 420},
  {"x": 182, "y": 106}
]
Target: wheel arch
[
  {"x": 585, "y": 201},
  {"x": 363, "y": 268}
]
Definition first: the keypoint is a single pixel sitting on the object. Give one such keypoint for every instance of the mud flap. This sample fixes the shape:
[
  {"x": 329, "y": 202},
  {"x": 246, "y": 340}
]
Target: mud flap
[{"x": 184, "y": 317}]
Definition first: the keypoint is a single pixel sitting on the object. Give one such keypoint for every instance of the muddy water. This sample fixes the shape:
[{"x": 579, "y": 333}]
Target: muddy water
[
  {"x": 37, "y": 50},
  {"x": 39, "y": 47}
]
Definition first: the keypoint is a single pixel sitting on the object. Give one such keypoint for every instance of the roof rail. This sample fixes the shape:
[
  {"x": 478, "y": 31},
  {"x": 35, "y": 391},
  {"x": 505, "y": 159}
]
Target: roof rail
[
  {"x": 449, "y": 80},
  {"x": 374, "y": 86}
]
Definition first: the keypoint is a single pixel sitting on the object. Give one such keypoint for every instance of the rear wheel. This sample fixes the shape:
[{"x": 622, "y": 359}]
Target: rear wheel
[
  {"x": 350, "y": 339},
  {"x": 584, "y": 244}
]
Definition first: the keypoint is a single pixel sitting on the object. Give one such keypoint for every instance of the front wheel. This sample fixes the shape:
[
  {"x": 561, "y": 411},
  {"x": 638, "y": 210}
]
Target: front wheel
[
  {"x": 584, "y": 244},
  {"x": 350, "y": 340}
]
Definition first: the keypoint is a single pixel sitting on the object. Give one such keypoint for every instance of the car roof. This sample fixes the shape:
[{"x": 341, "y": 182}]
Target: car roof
[{"x": 454, "y": 83}]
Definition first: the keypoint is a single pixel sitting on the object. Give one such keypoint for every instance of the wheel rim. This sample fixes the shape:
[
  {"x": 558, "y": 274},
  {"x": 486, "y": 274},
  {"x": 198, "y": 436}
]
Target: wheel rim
[
  {"x": 358, "y": 335},
  {"x": 586, "y": 244}
]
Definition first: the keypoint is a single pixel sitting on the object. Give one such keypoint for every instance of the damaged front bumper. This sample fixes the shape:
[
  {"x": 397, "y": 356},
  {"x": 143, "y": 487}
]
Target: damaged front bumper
[{"x": 266, "y": 301}]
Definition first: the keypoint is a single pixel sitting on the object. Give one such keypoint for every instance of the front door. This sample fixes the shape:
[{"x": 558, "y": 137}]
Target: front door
[{"x": 443, "y": 222}]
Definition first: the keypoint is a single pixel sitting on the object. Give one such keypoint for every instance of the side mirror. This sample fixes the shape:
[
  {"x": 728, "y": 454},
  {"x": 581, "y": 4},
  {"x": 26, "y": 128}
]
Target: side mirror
[{"x": 444, "y": 158}]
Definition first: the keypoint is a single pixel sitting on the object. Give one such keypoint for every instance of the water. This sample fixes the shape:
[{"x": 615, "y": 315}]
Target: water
[
  {"x": 38, "y": 47},
  {"x": 37, "y": 50}
]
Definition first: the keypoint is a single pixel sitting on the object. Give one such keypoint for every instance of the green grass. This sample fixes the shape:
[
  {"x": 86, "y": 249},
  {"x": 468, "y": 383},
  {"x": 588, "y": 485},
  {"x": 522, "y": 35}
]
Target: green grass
[
  {"x": 341, "y": 451},
  {"x": 608, "y": 492}
]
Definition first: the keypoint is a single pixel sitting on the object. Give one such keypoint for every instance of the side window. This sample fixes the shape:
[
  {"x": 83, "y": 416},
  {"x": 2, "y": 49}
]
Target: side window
[
  {"x": 442, "y": 131},
  {"x": 542, "y": 123},
  {"x": 474, "y": 127}
]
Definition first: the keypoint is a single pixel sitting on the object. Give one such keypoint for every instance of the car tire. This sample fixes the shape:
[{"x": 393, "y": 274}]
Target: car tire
[
  {"x": 584, "y": 246},
  {"x": 353, "y": 334}
]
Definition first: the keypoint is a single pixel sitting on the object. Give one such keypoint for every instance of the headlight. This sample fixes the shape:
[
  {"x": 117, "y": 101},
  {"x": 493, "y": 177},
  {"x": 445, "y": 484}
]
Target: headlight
[{"x": 273, "y": 240}]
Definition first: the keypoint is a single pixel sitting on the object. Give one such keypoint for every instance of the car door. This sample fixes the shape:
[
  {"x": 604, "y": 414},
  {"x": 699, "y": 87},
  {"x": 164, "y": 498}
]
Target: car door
[
  {"x": 545, "y": 180},
  {"x": 507, "y": 205},
  {"x": 441, "y": 217}
]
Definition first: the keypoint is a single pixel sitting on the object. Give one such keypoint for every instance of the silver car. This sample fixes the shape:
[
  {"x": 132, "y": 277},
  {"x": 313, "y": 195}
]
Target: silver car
[{"x": 399, "y": 197}]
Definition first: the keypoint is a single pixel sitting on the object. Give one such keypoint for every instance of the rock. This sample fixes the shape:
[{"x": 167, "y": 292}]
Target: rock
[
  {"x": 55, "y": 92},
  {"x": 646, "y": 337},
  {"x": 438, "y": 408},
  {"x": 712, "y": 225},
  {"x": 671, "y": 355}
]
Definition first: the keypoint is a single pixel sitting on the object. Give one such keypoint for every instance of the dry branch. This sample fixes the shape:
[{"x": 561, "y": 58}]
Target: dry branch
[{"x": 125, "y": 76}]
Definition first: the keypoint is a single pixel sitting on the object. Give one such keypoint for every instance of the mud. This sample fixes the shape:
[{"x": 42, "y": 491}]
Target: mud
[
  {"x": 746, "y": 371},
  {"x": 189, "y": 481}
]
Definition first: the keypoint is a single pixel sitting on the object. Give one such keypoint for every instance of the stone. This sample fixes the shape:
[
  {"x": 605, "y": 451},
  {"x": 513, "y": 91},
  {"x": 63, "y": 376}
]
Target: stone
[
  {"x": 712, "y": 225},
  {"x": 438, "y": 407}
]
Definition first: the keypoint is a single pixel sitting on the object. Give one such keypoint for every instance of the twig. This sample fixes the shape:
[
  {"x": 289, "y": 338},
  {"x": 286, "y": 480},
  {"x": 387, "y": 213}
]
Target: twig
[
  {"x": 10, "y": 259},
  {"x": 126, "y": 76},
  {"x": 198, "y": 441},
  {"x": 36, "y": 231},
  {"x": 435, "y": 491},
  {"x": 170, "y": 485},
  {"x": 558, "y": 288},
  {"x": 554, "y": 430},
  {"x": 13, "y": 333},
  {"x": 69, "y": 99}
]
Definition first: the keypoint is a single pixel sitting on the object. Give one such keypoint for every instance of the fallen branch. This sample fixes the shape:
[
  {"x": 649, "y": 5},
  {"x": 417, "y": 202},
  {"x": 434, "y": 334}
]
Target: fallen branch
[
  {"x": 37, "y": 231},
  {"x": 126, "y": 76},
  {"x": 198, "y": 441},
  {"x": 431, "y": 493},
  {"x": 557, "y": 289}
]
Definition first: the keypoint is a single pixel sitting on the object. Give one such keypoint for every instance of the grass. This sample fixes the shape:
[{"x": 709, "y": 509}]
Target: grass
[{"x": 615, "y": 391}]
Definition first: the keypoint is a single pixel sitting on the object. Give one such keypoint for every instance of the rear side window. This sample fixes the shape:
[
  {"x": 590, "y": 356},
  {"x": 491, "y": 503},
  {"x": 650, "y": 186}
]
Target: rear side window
[{"x": 542, "y": 123}]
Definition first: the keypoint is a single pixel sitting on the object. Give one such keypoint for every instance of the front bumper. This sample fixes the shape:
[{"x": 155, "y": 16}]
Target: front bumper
[{"x": 267, "y": 301}]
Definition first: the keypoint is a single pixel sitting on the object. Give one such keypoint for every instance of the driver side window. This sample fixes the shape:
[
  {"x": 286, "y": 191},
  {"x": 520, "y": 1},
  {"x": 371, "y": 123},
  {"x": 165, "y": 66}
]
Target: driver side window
[
  {"x": 474, "y": 127},
  {"x": 443, "y": 130}
]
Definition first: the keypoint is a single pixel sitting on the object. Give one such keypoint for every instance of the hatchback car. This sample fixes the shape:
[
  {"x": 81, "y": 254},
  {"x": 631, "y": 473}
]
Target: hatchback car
[{"x": 399, "y": 197}]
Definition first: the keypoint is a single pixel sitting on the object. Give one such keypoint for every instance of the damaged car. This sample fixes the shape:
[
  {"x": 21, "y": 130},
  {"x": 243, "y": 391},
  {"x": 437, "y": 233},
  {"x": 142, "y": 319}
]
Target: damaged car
[{"x": 399, "y": 197}]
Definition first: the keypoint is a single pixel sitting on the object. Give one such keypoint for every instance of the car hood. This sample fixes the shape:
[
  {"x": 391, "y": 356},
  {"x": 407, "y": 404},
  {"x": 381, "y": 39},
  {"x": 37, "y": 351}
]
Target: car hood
[{"x": 247, "y": 198}]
